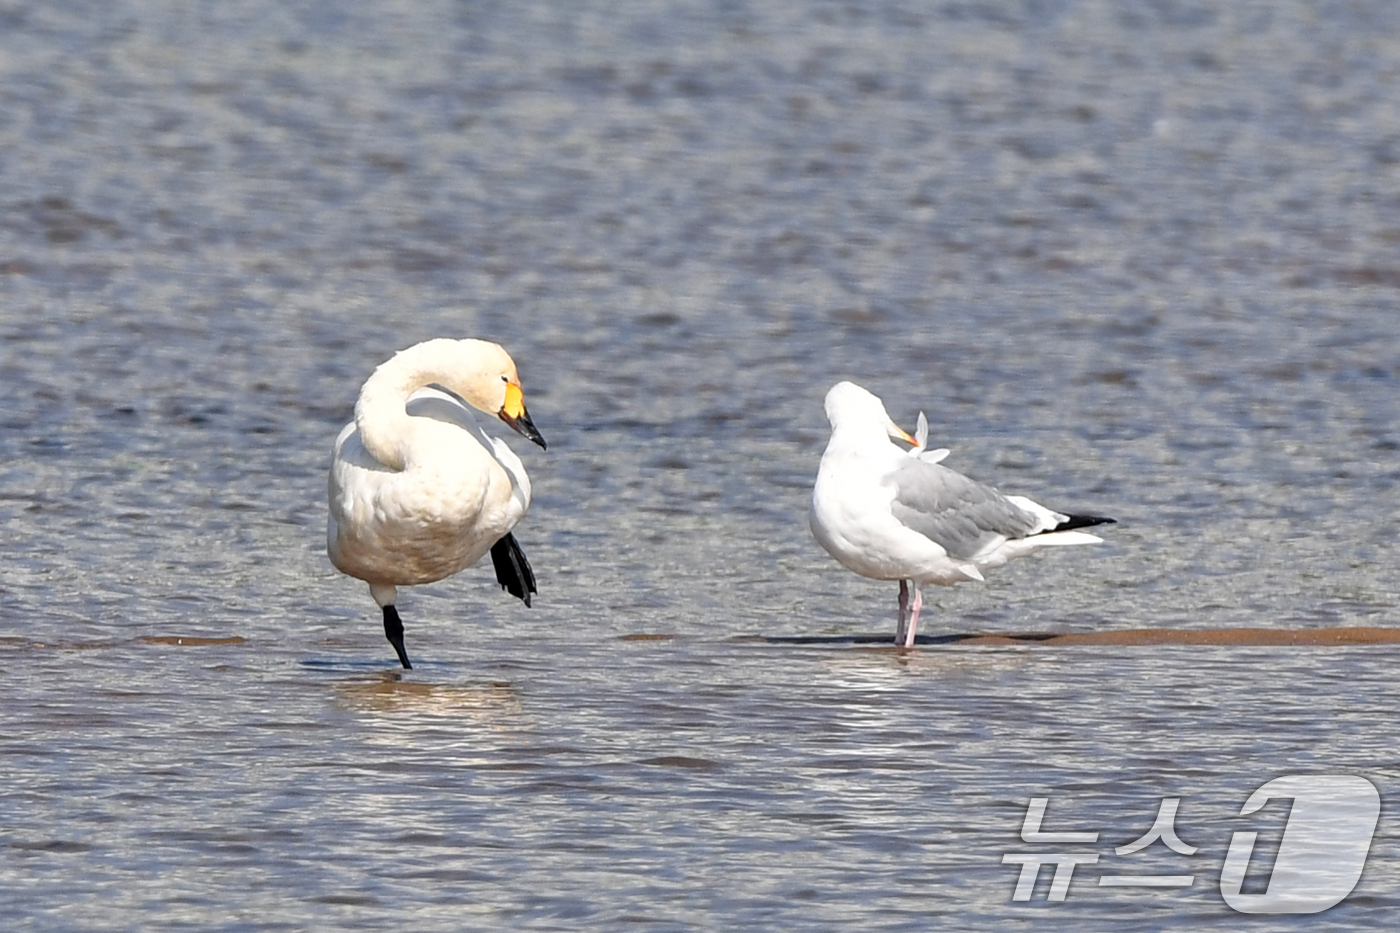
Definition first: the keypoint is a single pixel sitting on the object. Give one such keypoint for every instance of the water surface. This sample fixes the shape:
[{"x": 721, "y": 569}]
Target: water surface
[{"x": 1134, "y": 259}]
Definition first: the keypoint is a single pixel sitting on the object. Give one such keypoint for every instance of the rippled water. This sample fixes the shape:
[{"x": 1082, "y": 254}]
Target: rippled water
[{"x": 1134, "y": 258}]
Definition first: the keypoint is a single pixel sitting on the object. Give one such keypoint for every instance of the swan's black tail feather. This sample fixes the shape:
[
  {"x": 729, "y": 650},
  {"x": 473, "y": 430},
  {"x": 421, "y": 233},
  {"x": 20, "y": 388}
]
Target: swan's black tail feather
[
  {"x": 1081, "y": 521},
  {"x": 512, "y": 569}
]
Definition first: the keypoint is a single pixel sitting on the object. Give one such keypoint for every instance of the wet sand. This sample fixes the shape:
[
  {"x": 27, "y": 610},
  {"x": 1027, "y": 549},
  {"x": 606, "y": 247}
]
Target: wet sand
[
  {"x": 1361, "y": 635},
  {"x": 1318, "y": 637}
]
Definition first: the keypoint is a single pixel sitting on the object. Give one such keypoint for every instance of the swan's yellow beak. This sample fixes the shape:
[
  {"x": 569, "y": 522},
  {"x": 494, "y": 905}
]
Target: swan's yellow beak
[
  {"x": 514, "y": 405},
  {"x": 514, "y": 414}
]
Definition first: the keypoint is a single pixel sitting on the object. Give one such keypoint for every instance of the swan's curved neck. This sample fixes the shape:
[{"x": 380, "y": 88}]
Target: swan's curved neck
[{"x": 381, "y": 415}]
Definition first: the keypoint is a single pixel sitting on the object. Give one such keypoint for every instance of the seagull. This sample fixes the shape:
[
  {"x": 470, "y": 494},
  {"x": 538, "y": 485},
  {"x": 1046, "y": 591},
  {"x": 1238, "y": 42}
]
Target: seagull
[
  {"x": 894, "y": 514},
  {"x": 418, "y": 491}
]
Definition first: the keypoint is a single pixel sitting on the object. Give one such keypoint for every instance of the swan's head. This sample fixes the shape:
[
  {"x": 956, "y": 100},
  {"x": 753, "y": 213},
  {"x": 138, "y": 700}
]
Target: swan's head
[
  {"x": 490, "y": 383},
  {"x": 847, "y": 404},
  {"x": 478, "y": 372}
]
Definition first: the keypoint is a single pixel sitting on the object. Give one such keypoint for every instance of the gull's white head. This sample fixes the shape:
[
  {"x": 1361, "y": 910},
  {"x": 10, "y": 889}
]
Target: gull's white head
[{"x": 848, "y": 405}]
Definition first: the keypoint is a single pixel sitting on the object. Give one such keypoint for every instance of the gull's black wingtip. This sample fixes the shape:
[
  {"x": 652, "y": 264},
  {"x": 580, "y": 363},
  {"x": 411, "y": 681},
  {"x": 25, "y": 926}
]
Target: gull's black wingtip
[
  {"x": 512, "y": 569},
  {"x": 1083, "y": 521}
]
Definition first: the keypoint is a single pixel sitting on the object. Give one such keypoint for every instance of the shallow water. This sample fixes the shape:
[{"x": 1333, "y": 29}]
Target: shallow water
[{"x": 1136, "y": 259}]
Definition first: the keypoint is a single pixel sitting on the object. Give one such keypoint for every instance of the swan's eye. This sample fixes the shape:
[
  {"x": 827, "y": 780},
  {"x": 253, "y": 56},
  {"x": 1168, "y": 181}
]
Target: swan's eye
[{"x": 505, "y": 378}]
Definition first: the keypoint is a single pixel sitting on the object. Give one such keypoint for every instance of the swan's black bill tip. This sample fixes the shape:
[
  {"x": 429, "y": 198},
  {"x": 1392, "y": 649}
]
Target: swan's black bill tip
[{"x": 524, "y": 427}]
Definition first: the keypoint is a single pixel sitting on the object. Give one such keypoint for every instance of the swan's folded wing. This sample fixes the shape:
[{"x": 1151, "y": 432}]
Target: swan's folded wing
[{"x": 963, "y": 516}]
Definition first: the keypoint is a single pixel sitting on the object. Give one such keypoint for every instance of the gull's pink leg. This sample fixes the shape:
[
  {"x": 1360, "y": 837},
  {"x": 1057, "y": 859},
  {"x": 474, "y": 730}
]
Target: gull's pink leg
[
  {"x": 903, "y": 612},
  {"x": 908, "y": 641}
]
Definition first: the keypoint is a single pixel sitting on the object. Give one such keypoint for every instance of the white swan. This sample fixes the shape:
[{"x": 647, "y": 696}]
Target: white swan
[
  {"x": 891, "y": 516},
  {"x": 418, "y": 491}
]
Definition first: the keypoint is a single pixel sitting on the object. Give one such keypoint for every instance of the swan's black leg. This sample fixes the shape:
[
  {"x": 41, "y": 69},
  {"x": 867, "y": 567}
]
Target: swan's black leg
[{"x": 393, "y": 630}]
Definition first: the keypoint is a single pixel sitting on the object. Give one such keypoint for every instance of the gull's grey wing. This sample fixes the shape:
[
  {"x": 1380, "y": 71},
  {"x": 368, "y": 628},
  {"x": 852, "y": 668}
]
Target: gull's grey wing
[{"x": 960, "y": 514}]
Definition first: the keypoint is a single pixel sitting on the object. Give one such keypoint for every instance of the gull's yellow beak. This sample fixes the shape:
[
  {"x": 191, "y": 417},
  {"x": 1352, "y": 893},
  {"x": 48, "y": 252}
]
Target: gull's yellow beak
[
  {"x": 514, "y": 414},
  {"x": 900, "y": 434}
]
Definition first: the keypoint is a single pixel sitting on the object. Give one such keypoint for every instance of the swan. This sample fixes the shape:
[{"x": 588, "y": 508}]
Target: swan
[
  {"x": 417, "y": 490},
  {"x": 888, "y": 515}
]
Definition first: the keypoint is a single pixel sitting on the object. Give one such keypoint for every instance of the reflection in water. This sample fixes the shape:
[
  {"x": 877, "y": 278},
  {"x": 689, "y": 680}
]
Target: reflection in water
[
  {"x": 389, "y": 694},
  {"x": 192, "y": 641}
]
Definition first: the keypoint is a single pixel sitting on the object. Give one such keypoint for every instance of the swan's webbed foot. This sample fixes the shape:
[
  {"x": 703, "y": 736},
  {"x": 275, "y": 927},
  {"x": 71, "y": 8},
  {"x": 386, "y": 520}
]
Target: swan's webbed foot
[{"x": 512, "y": 569}]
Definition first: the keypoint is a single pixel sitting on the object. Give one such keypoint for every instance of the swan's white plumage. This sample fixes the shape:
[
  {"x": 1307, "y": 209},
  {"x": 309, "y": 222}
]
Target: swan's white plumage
[
  {"x": 417, "y": 489},
  {"x": 891, "y": 516}
]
